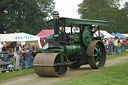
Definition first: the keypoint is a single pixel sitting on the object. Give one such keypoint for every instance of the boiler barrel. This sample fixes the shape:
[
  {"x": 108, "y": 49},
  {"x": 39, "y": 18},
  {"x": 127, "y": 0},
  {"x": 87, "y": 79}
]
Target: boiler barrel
[{"x": 73, "y": 49}]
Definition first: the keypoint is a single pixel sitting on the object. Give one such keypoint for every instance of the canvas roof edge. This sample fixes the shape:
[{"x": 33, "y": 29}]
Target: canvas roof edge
[{"x": 76, "y": 22}]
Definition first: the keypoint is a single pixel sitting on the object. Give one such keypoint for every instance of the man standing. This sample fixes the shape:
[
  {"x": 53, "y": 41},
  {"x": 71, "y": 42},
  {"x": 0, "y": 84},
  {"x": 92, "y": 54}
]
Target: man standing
[
  {"x": 1, "y": 46},
  {"x": 33, "y": 51},
  {"x": 110, "y": 46},
  {"x": 5, "y": 52},
  {"x": 116, "y": 45},
  {"x": 24, "y": 56},
  {"x": 17, "y": 55}
]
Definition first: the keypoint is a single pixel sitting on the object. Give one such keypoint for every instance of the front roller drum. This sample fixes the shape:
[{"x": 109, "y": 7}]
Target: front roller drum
[
  {"x": 96, "y": 54},
  {"x": 44, "y": 65}
]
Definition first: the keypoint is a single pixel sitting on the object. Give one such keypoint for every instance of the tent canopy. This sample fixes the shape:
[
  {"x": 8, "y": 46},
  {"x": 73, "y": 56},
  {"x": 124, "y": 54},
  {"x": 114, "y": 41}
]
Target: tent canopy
[
  {"x": 105, "y": 34},
  {"x": 45, "y": 33},
  {"x": 14, "y": 37},
  {"x": 24, "y": 38},
  {"x": 126, "y": 35},
  {"x": 118, "y": 35}
]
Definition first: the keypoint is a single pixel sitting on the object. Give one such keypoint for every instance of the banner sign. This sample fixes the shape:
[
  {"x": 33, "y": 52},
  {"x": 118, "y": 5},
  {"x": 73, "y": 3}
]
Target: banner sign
[{"x": 22, "y": 37}]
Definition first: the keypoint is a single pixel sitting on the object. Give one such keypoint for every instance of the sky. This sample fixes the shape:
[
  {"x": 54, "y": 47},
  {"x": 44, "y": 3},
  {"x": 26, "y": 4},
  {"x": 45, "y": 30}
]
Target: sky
[{"x": 68, "y": 8}]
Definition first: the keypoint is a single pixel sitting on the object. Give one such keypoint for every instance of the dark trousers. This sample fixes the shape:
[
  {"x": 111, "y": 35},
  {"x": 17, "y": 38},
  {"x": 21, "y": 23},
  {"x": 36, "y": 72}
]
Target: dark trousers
[
  {"x": 110, "y": 50},
  {"x": 5, "y": 57},
  {"x": 5, "y": 64},
  {"x": 23, "y": 62},
  {"x": 28, "y": 61},
  {"x": 117, "y": 50}
]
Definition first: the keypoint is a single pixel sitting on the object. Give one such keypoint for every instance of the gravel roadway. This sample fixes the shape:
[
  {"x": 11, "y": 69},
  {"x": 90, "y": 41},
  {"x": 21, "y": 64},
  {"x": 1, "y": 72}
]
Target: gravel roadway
[{"x": 33, "y": 79}]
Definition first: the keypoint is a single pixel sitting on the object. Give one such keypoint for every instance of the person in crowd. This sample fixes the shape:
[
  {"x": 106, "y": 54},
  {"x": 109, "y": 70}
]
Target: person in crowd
[
  {"x": 126, "y": 38},
  {"x": 17, "y": 55},
  {"x": 5, "y": 53},
  {"x": 124, "y": 42},
  {"x": 106, "y": 45},
  {"x": 116, "y": 45},
  {"x": 120, "y": 44},
  {"x": 37, "y": 48},
  {"x": 113, "y": 46},
  {"x": 33, "y": 51},
  {"x": 1, "y": 46},
  {"x": 28, "y": 57},
  {"x": 107, "y": 42},
  {"x": 110, "y": 46},
  {"x": 24, "y": 56},
  {"x": 4, "y": 64},
  {"x": 104, "y": 42},
  {"x": 45, "y": 46}
]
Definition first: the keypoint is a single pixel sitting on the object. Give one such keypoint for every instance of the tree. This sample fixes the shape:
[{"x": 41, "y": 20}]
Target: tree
[
  {"x": 123, "y": 18},
  {"x": 24, "y": 15},
  {"x": 102, "y": 9}
]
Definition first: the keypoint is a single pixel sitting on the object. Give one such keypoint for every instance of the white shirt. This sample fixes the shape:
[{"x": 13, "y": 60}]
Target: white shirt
[
  {"x": 107, "y": 42},
  {"x": 1, "y": 46},
  {"x": 18, "y": 50}
]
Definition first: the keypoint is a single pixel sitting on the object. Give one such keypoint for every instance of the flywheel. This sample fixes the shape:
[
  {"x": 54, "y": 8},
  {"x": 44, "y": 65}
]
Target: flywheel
[
  {"x": 44, "y": 64},
  {"x": 87, "y": 37},
  {"x": 96, "y": 54}
]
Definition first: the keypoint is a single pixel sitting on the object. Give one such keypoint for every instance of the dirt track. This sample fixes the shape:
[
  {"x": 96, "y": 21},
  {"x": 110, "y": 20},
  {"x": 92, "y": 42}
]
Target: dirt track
[{"x": 33, "y": 79}]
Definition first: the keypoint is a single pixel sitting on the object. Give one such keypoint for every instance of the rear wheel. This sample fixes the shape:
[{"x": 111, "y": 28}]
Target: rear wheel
[{"x": 96, "y": 54}]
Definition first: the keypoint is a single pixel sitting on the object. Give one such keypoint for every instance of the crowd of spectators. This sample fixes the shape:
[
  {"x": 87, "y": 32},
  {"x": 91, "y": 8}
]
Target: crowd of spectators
[
  {"x": 23, "y": 56},
  {"x": 115, "y": 45}
]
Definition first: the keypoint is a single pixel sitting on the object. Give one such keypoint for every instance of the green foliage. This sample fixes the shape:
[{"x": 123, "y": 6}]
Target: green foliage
[
  {"x": 26, "y": 15},
  {"x": 105, "y": 10},
  {"x": 123, "y": 18}
]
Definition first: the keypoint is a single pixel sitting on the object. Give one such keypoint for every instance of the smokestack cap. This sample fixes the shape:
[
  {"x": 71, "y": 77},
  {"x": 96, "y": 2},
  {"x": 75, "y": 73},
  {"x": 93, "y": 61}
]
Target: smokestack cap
[{"x": 55, "y": 13}]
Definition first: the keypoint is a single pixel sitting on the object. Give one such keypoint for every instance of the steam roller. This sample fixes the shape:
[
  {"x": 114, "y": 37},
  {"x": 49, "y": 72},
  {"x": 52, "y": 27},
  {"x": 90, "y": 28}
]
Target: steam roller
[{"x": 70, "y": 49}]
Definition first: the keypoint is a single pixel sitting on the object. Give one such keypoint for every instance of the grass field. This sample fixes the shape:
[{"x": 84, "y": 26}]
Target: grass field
[
  {"x": 106, "y": 76},
  {"x": 116, "y": 56},
  {"x": 115, "y": 75}
]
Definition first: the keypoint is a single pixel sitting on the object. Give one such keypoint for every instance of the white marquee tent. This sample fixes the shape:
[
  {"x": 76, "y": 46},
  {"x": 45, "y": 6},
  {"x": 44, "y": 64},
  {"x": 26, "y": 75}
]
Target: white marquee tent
[
  {"x": 24, "y": 38},
  {"x": 126, "y": 35},
  {"x": 103, "y": 33}
]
